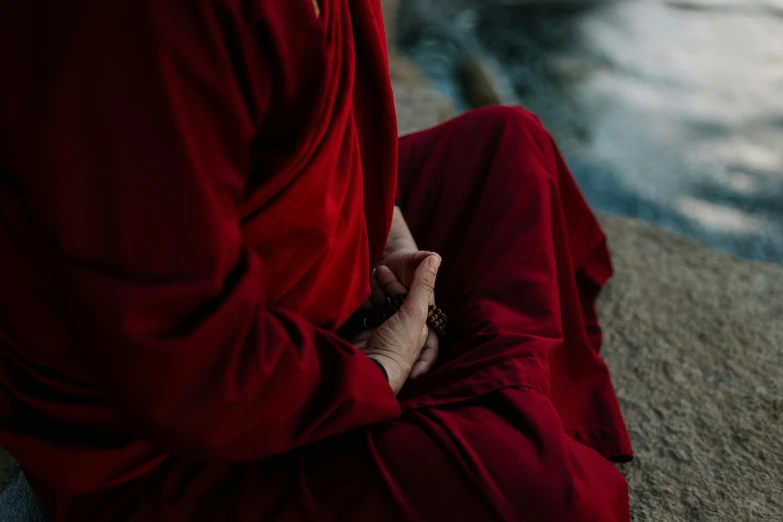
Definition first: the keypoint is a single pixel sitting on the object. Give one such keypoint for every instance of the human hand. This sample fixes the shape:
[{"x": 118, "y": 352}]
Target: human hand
[
  {"x": 403, "y": 262},
  {"x": 397, "y": 343}
]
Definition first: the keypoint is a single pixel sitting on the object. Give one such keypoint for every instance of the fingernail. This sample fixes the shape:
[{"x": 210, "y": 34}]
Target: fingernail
[{"x": 433, "y": 262}]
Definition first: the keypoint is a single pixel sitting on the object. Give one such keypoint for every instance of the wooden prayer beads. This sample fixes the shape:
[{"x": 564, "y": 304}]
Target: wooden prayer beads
[
  {"x": 379, "y": 314},
  {"x": 436, "y": 318}
]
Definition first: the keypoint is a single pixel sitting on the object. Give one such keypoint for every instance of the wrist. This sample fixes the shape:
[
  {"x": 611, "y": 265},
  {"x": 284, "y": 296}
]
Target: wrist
[
  {"x": 395, "y": 373},
  {"x": 400, "y": 236},
  {"x": 381, "y": 367}
]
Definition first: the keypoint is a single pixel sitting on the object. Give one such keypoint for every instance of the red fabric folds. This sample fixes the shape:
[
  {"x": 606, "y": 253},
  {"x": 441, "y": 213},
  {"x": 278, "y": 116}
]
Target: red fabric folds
[
  {"x": 191, "y": 198},
  {"x": 183, "y": 229}
]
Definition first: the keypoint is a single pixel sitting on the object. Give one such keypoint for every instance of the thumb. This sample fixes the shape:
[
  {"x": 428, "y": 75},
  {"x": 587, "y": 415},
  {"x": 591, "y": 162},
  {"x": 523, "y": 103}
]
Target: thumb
[
  {"x": 422, "y": 287},
  {"x": 406, "y": 264},
  {"x": 416, "y": 258}
]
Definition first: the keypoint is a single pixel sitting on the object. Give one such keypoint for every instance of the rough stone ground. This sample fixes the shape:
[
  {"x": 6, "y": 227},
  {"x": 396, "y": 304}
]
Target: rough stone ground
[
  {"x": 8, "y": 469},
  {"x": 694, "y": 339}
]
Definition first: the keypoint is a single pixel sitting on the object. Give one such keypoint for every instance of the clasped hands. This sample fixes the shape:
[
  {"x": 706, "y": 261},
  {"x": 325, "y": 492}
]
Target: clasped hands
[{"x": 403, "y": 344}]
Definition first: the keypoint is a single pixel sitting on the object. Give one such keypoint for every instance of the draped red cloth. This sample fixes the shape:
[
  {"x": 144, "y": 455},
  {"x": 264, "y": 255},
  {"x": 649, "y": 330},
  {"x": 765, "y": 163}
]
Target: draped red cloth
[{"x": 191, "y": 198}]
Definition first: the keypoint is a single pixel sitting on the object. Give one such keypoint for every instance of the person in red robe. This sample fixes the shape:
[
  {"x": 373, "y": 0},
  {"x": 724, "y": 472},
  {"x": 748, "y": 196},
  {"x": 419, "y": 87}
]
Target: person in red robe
[{"x": 195, "y": 197}]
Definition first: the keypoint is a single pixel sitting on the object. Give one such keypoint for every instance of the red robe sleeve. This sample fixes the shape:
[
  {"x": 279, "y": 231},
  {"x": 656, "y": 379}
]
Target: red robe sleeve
[{"x": 143, "y": 167}]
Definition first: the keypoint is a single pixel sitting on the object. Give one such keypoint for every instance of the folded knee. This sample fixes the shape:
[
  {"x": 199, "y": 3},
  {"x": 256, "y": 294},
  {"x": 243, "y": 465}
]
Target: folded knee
[
  {"x": 505, "y": 130},
  {"x": 506, "y": 118}
]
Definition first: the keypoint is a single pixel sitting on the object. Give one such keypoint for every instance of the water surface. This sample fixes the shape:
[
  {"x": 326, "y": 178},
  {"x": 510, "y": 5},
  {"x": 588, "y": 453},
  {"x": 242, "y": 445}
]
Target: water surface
[{"x": 671, "y": 112}]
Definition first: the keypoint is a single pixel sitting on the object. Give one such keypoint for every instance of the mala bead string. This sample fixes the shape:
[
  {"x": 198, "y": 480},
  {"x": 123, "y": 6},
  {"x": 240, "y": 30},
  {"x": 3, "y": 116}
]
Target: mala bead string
[
  {"x": 379, "y": 314},
  {"x": 436, "y": 318}
]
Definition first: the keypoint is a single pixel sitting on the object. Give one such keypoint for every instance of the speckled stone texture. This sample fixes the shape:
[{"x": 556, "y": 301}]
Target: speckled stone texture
[
  {"x": 694, "y": 339},
  {"x": 8, "y": 469},
  {"x": 419, "y": 108}
]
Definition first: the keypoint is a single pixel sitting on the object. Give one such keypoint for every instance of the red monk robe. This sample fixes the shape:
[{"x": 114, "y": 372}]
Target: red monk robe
[{"x": 191, "y": 198}]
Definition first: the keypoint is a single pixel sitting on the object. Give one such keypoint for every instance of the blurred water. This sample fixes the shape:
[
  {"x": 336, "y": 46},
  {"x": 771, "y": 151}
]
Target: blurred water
[{"x": 671, "y": 112}]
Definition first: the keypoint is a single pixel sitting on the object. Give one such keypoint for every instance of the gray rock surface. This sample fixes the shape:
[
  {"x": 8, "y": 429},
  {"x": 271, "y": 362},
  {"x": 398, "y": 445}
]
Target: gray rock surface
[
  {"x": 419, "y": 108},
  {"x": 694, "y": 340},
  {"x": 18, "y": 503},
  {"x": 8, "y": 469}
]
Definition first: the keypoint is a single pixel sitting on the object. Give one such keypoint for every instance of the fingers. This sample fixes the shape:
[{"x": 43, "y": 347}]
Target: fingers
[
  {"x": 427, "y": 357},
  {"x": 401, "y": 339},
  {"x": 363, "y": 336},
  {"x": 388, "y": 282},
  {"x": 412, "y": 263},
  {"x": 377, "y": 295}
]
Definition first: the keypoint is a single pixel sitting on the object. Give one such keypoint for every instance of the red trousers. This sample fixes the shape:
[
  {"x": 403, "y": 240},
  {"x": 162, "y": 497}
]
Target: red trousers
[{"x": 517, "y": 421}]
